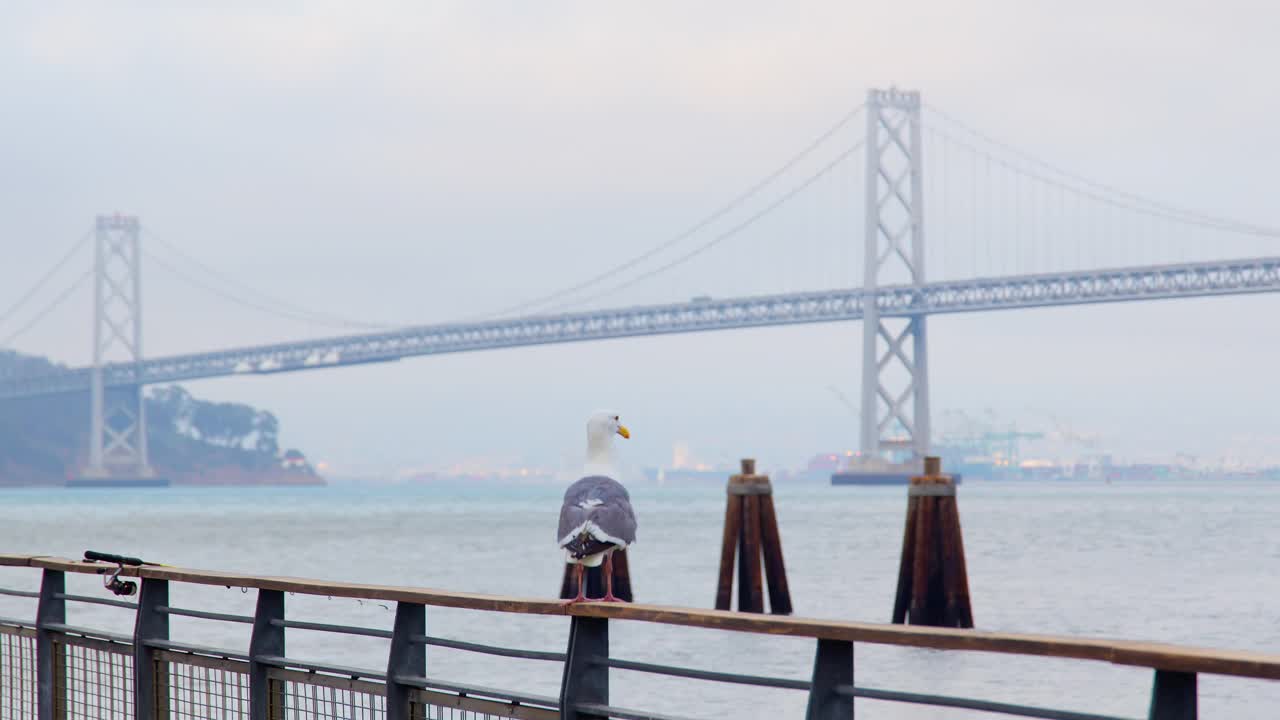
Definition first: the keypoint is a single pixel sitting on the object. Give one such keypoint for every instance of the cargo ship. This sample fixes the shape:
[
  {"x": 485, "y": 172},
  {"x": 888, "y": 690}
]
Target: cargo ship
[
  {"x": 681, "y": 475},
  {"x": 874, "y": 471},
  {"x": 129, "y": 482}
]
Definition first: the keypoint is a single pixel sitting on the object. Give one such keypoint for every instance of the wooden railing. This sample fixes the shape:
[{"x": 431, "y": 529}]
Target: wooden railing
[{"x": 264, "y": 683}]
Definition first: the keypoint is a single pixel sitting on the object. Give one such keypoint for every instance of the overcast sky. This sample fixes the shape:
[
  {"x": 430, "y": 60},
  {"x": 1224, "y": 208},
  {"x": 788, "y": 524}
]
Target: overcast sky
[{"x": 421, "y": 162}]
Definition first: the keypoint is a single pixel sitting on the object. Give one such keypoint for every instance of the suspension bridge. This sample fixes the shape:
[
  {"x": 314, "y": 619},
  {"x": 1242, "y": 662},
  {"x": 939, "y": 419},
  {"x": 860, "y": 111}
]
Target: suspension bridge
[{"x": 1007, "y": 231}]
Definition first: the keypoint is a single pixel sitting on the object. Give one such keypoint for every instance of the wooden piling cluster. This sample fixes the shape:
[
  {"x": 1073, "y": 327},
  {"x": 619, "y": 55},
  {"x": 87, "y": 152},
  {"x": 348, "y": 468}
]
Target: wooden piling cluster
[
  {"x": 750, "y": 532},
  {"x": 933, "y": 586},
  {"x": 595, "y": 579}
]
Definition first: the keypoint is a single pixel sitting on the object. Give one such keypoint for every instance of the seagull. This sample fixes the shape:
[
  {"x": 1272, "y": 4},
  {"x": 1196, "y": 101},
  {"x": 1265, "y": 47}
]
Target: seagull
[{"x": 596, "y": 517}]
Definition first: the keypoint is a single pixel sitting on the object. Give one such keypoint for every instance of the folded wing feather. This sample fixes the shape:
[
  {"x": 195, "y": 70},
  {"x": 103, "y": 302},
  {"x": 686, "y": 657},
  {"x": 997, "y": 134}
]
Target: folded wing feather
[{"x": 595, "y": 516}]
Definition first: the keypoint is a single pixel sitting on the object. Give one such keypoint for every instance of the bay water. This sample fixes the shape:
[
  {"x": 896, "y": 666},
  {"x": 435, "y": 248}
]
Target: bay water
[{"x": 1188, "y": 562}]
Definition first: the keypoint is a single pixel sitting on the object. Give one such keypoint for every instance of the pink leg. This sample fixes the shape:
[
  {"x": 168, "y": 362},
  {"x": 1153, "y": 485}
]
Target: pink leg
[
  {"x": 608, "y": 580},
  {"x": 582, "y": 596}
]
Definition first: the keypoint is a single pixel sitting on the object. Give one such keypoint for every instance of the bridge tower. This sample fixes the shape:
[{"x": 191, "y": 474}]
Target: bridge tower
[
  {"x": 117, "y": 420},
  {"x": 895, "y": 379}
]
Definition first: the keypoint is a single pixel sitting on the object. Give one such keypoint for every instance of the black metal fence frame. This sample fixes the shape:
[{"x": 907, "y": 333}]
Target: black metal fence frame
[{"x": 403, "y": 687}]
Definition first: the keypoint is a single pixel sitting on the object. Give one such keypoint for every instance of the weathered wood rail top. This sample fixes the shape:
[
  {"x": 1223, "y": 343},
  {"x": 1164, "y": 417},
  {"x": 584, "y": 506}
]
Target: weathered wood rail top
[{"x": 1157, "y": 656}]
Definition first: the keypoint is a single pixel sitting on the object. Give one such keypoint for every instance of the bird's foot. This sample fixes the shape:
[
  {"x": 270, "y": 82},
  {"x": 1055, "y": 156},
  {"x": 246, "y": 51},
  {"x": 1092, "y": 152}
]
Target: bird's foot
[
  {"x": 574, "y": 600},
  {"x": 610, "y": 597}
]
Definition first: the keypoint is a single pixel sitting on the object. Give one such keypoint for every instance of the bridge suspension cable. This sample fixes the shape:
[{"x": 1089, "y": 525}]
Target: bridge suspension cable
[
  {"x": 994, "y": 210},
  {"x": 231, "y": 289},
  {"x": 1099, "y": 191},
  {"x": 237, "y": 299},
  {"x": 264, "y": 303},
  {"x": 1120, "y": 200},
  {"x": 725, "y": 235},
  {"x": 49, "y": 308},
  {"x": 78, "y": 245},
  {"x": 733, "y": 204}
]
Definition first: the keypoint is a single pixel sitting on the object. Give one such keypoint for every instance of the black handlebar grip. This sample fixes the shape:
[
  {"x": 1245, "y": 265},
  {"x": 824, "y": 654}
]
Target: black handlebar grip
[{"x": 108, "y": 557}]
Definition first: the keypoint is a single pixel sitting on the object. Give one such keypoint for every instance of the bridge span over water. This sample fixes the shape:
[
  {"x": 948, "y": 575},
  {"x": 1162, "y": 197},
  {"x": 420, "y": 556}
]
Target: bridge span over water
[
  {"x": 1008, "y": 231},
  {"x": 1236, "y": 277}
]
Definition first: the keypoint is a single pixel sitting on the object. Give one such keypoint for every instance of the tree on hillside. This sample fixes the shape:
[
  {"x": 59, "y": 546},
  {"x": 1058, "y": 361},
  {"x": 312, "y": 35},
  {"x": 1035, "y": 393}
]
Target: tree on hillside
[
  {"x": 170, "y": 408},
  {"x": 267, "y": 429},
  {"x": 45, "y": 439},
  {"x": 230, "y": 425},
  {"x": 225, "y": 424}
]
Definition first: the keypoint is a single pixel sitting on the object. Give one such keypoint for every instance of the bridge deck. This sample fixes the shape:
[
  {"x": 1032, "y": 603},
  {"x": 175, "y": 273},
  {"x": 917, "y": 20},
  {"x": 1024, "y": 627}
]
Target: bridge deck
[{"x": 1205, "y": 279}]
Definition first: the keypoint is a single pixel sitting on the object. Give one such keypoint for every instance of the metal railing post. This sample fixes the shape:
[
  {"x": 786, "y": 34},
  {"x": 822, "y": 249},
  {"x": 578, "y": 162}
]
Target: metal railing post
[
  {"x": 406, "y": 657},
  {"x": 1173, "y": 696},
  {"x": 585, "y": 679},
  {"x": 51, "y": 660},
  {"x": 832, "y": 669},
  {"x": 267, "y": 640},
  {"x": 150, "y": 681}
]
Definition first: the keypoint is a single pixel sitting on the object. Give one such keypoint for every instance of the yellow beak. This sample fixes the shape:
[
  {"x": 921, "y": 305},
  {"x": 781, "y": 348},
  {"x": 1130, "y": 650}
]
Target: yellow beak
[{"x": 624, "y": 432}]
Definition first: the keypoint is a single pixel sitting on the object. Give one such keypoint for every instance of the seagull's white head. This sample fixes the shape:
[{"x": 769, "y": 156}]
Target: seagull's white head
[{"x": 601, "y": 428}]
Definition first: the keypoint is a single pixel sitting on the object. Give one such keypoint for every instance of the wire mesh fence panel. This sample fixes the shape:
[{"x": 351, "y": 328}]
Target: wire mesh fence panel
[
  {"x": 435, "y": 705},
  {"x": 17, "y": 673},
  {"x": 95, "y": 681},
  {"x": 310, "y": 696},
  {"x": 197, "y": 687}
]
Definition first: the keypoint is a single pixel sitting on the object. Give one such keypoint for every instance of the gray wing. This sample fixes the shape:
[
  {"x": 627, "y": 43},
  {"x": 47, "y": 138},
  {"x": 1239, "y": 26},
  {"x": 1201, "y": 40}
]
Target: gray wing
[{"x": 604, "y": 502}]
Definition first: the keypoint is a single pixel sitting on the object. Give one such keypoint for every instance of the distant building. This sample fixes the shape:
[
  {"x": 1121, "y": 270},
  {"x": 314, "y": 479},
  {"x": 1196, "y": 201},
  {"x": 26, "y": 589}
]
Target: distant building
[{"x": 294, "y": 460}]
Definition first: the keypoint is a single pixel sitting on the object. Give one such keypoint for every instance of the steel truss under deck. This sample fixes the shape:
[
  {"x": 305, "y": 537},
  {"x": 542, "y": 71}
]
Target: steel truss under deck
[{"x": 1233, "y": 277}]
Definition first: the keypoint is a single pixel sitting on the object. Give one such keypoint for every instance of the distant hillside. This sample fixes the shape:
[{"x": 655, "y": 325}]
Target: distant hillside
[{"x": 45, "y": 440}]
